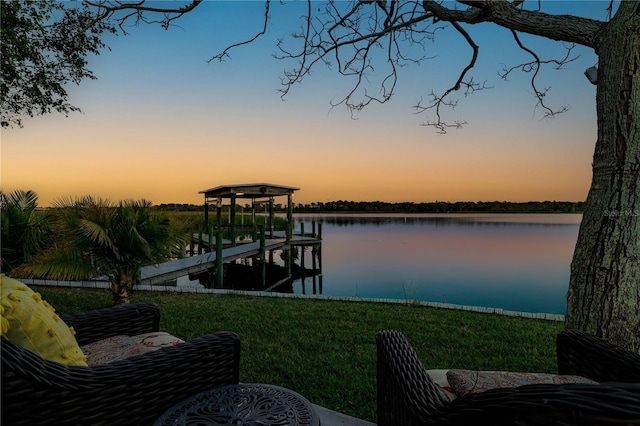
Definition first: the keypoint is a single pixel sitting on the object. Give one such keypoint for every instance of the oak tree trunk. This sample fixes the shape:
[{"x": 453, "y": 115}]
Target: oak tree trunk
[{"x": 604, "y": 289}]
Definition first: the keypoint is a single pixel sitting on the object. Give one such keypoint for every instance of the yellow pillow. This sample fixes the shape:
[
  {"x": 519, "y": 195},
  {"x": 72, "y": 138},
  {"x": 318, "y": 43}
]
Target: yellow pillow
[{"x": 32, "y": 323}]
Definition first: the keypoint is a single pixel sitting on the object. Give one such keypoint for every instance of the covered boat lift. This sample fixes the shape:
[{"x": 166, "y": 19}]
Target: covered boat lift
[{"x": 256, "y": 192}]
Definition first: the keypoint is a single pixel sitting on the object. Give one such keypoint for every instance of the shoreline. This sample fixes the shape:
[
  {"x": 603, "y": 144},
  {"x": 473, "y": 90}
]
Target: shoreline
[{"x": 410, "y": 302}]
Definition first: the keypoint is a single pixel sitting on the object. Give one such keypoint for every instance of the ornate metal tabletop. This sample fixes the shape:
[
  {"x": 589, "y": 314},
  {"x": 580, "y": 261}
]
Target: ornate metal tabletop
[{"x": 243, "y": 404}]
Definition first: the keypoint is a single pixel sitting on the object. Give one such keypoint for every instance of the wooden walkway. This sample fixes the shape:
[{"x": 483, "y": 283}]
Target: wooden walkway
[{"x": 173, "y": 269}]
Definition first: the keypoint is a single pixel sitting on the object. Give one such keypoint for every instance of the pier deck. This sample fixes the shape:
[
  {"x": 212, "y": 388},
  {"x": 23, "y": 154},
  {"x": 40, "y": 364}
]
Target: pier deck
[{"x": 173, "y": 269}]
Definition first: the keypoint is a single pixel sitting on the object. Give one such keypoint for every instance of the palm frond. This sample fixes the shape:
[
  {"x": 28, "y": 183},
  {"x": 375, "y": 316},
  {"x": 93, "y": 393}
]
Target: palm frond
[
  {"x": 97, "y": 235},
  {"x": 58, "y": 263}
]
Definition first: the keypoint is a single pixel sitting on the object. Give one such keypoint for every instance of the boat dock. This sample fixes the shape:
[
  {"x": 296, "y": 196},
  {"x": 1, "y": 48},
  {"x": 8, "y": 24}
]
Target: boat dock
[
  {"x": 192, "y": 265},
  {"x": 171, "y": 270},
  {"x": 209, "y": 251}
]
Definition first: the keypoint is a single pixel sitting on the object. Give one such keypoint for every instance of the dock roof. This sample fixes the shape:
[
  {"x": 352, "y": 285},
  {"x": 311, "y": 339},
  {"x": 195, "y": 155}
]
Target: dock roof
[{"x": 249, "y": 190}]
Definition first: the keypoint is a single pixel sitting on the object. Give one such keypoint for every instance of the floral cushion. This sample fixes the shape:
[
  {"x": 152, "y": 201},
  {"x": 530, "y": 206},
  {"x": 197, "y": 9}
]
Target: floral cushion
[
  {"x": 120, "y": 347},
  {"x": 464, "y": 382},
  {"x": 112, "y": 349},
  {"x": 158, "y": 339},
  {"x": 439, "y": 377}
]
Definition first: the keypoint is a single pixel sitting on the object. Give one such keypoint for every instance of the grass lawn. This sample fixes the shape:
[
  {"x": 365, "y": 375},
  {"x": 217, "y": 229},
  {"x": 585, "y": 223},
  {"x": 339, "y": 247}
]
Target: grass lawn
[{"x": 326, "y": 350}]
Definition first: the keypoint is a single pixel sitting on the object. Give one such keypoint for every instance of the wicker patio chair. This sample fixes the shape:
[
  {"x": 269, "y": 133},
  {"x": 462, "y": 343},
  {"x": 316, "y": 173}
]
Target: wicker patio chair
[
  {"x": 133, "y": 391},
  {"x": 408, "y": 396}
]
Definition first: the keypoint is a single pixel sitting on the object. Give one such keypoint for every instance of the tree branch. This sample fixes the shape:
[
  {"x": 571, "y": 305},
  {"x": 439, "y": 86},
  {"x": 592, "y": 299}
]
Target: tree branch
[
  {"x": 568, "y": 28},
  {"x": 373, "y": 38},
  {"x": 330, "y": 34},
  {"x": 535, "y": 67},
  {"x": 108, "y": 8},
  {"x": 225, "y": 53},
  {"x": 438, "y": 101}
]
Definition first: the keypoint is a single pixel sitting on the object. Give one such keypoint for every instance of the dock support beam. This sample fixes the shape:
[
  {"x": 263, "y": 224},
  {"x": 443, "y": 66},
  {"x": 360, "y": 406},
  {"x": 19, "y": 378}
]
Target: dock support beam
[
  {"x": 206, "y": 213},
  {"x": 232, "y": 220},
  {"x": 219, "y": 217},
  {"x": 263, "y": 260},
  {"x": 290, "y": 211},
  {"x": 271, "y": 217},
  {"x": 253, "y": 220},
  {"x": 288, "y": 249},
  {"x": 219, "y": 263}
]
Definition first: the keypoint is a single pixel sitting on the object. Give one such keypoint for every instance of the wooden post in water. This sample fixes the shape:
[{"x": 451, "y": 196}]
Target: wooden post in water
[
  {"x": 314, "y": 253},
  {"x": 263, "y": 260},
  {"x": 271, "y": 217},
  {"x": 200, "y": 241},
  {"x": 219, "y": 219},
  {"x": 313, "y": 228},
  {"x": 302, "y": 229},
  {"x": 254, "y": 225},
  {"x": 290, "y": 211},
  {"x": 219, "y": 263},
  {"x": 232, "y": 220},
  {"x": 287, "y": 256},
  {"x": 206, "y": 212},
  {"x": 211, "y": 243},
  {"x": 287, "y": 232}
]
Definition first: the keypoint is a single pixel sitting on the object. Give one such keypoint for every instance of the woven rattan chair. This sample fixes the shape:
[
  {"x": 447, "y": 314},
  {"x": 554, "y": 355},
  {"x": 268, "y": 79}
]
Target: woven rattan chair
[
  {"x": 408, "y": 396},
  {"x": 134, "y": 391}
]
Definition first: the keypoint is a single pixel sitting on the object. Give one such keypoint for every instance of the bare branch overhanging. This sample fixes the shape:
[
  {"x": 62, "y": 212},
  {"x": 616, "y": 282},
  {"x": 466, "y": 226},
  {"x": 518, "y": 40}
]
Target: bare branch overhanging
[
  {"x": 366, "y": 37},
  {"x": 107, "y": 9}
]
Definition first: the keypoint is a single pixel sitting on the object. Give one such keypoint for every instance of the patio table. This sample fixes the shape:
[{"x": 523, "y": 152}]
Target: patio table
[{"x": 243, "y": 404}]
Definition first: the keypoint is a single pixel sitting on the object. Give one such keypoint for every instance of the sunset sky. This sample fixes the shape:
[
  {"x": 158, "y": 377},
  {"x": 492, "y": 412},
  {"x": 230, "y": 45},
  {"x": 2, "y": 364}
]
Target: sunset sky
[{"x": 161, "y": 123}]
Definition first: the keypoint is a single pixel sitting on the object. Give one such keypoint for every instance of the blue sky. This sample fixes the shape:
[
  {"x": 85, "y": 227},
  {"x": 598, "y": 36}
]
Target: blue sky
[{"x": 161, "y": 123}]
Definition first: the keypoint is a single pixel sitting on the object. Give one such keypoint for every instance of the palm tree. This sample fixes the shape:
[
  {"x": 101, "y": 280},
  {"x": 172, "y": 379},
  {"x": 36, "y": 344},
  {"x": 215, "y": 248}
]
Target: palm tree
[
  {"x": 99, "y": 238},
  {"x": 24, "y": 230}
]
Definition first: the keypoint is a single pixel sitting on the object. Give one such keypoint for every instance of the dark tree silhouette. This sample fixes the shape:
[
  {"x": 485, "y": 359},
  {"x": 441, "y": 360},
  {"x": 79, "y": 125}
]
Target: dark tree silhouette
[{"x": 45, "y": 45}]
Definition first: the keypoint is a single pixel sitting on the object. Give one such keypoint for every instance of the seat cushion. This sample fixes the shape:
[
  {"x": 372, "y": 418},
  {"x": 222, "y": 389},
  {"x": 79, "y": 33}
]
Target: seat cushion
[
  {"x": 120, "y": 347},
  {"x": 32, "y": 323},
  {"x": 157, "y": 339},
  {"x": 439, "y": 377},
  {"x": 464, "y": 382}
]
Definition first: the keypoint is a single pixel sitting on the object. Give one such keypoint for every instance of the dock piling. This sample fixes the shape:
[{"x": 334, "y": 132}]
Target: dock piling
[
  {"x": 219, "y": 263},
  {"x": 263, "y": 260}
]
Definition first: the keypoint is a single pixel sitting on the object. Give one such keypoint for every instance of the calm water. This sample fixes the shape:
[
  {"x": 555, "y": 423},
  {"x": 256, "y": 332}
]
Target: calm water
[{"x": 515, "y": 262}]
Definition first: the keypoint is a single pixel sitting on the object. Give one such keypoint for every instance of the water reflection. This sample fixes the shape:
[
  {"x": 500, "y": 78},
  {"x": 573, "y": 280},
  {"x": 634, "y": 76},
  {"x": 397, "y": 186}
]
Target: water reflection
[
  {"x": 444, "y": 219},
  {"x": 516, "y": 262}
]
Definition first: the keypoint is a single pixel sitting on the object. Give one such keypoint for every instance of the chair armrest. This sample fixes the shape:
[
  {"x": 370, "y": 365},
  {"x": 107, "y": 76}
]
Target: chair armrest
[
  {"x": 134, "y": 391},
  {"x": 547, "y": 404},
  {"x": 129, "y": 320},
  {"x": 406, "y": 393},
  {"x": 586, "y": 355}
]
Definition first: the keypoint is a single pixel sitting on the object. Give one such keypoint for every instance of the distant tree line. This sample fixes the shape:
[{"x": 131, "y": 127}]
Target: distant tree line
[
  {"x": 173, "y": 207},
  {"x": 409, "y": 207},
  {"x": 443, "y": 207}
]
